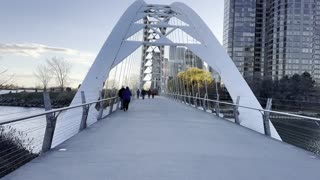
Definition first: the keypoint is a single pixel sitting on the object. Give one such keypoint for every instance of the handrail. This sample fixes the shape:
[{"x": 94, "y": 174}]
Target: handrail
[
  {"x": 52, "y": 111},
  {"x": 257, "y": 109}
]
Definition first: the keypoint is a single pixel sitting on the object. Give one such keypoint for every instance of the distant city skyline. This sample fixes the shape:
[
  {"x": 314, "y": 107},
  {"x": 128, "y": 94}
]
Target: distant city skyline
[{"x": 35, "y": 30}]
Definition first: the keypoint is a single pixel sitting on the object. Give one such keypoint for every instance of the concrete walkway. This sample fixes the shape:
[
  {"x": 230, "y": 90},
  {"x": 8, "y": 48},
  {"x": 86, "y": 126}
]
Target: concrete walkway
[{"x": 163, "y": 140}]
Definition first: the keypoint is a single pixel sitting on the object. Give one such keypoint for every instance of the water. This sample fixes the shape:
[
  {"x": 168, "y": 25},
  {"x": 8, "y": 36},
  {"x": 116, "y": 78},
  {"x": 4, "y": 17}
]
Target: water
[
  {"x": 6, "y": 91},
  {"x": 11, "y": 112},
  {"x": 16, "y": 91},
  {"x": 34, "y": 128},
  {"x": 30, "y": 131}
]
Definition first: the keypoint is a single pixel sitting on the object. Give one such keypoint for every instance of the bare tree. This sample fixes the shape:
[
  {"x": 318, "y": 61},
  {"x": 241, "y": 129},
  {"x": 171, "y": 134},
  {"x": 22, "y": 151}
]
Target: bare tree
[
  {"x": 61, "y": 70},
  {"x": 5, "y": 77},
  {"x": 43, "y": 74}
]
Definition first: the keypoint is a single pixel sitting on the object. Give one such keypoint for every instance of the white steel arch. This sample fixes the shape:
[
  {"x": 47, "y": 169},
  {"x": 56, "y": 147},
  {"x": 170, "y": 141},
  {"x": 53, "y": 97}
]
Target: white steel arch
[{"x": 175, "y": 17}]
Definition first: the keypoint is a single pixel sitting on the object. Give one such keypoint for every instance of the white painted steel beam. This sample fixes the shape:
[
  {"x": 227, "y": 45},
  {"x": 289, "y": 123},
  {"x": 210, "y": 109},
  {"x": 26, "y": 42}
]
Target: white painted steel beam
[{"x": 117, "y": 48}]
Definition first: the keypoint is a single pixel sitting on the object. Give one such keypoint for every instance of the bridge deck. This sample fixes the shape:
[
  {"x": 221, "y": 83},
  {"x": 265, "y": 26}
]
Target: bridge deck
[{"x": 160, "y": 140}]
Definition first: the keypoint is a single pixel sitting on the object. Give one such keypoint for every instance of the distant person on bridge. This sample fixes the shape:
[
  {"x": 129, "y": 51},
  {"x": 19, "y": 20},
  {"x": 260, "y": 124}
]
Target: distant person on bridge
[
  {"x": 120, "y": 94},
  {"x": 149, "y": 93},
  {"x": 143, "y": 93},
  {"x": 126, "y": 98},
  {"x": 138, "y": 93},
  {"x": 153, "y": 92}
]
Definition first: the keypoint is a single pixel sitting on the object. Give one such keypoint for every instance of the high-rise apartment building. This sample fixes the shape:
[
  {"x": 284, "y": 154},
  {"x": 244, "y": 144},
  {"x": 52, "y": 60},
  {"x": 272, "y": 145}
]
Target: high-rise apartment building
[{"x": 273, "y": 38}]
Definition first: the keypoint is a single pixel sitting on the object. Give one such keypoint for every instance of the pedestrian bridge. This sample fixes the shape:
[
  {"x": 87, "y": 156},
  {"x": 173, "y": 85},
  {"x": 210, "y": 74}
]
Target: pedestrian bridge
[
  {"x": 206, "y": 122},
  {"x": 164, "y": 139}
]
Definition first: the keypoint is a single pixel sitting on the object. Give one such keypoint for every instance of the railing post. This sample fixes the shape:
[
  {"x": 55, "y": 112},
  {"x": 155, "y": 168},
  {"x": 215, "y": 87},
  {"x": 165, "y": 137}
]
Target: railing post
[
  {"x": 195, "y": 100},
  {"x": 204, "y": 102},
  {"x": 181, "y": 98},
  {"x": 101, "y": 106},
  {"x": 217, "y": 106},
  {"x": 85, "y": 111},
  {"x": 266, "y": 116},
  {"x": 51, "y": 124},
  {"x": 118, "y": 102},
  {"x": 111, "y": 105},
  {"x": 236, "y": 112}
]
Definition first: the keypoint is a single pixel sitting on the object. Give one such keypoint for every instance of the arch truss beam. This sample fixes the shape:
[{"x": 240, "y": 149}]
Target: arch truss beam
[{"x": 153, "y": 27}]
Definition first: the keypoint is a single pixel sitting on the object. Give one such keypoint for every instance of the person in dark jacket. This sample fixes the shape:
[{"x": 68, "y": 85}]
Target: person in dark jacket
[
  {"x": 143, "y": 93},
  {"x": 149, "y": 93},
  {"x": 153, "y": 93},
  {"x": 126, "y": 98},
  {"x": 138, "y": 93},
  {"x": 120, "y": 94}
]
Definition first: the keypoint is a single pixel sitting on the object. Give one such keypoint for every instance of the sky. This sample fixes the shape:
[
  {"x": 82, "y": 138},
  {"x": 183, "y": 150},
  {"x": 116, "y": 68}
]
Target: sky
[{"x": 32, "y": 31}]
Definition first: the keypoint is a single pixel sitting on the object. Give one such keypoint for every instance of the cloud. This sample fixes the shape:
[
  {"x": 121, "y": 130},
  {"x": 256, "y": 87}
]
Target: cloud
[
  {"x": 82, "y": 58},
  {"x": 33, "y": 50},
  {"x": 36, "y": 50}
]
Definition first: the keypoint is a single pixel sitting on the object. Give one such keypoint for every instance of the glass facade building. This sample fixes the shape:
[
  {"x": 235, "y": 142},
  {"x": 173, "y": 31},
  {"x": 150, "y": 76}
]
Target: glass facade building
[
  {"x": 239, "y": 33},
  {"x": 273, "y": 38}
]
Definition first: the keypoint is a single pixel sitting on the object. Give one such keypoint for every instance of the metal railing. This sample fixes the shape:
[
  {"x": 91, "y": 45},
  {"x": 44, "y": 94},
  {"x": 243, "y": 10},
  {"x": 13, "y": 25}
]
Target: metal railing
[
  {"x": 24, "y": 138},
  {"x": 54, "y": 111},
  {"x": 299, "y": 130}
]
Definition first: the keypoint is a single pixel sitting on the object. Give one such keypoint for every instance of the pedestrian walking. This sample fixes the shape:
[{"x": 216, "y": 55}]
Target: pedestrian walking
[
  {"x": 153, "y": 93},
  {"x": 126, "y": 98},
  {"x": 120, "y": 94},
  {"x": 149, "y": 93},
  {"x": 138, "y": 93},
  {"x": 143, "y": 93}
]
